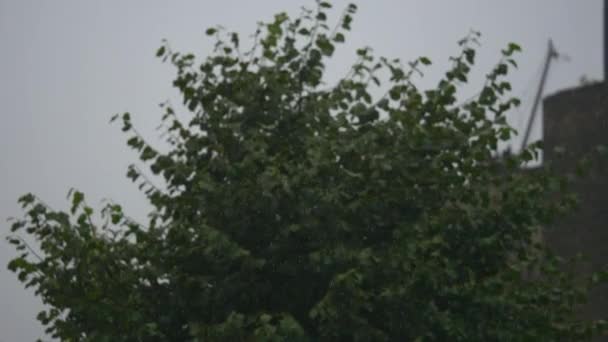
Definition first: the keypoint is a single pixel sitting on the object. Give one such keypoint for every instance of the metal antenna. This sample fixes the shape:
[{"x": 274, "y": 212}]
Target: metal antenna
[
  {"x": 551, "y": 53},
  {"x": 606, "y": 41}
]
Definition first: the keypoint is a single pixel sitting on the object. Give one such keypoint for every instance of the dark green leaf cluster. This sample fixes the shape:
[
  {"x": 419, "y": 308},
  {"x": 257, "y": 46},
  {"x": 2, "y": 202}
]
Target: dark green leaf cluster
[{"x": 293, "y": 211}]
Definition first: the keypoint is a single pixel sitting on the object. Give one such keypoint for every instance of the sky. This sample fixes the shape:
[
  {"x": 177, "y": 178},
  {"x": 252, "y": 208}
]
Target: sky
[{"x": 66, "y": 66}]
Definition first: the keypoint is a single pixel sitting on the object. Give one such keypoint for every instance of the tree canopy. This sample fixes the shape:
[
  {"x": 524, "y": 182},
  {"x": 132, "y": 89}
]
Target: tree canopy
[{"x": 297, "y": 210}]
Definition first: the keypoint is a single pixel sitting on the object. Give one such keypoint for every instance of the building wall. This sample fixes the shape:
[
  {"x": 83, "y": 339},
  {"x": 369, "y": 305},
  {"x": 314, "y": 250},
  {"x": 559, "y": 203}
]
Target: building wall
[{"x": 577, "y": 120}]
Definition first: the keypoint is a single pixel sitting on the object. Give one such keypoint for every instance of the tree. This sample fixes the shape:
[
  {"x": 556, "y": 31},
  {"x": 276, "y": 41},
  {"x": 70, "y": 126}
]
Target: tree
[{"x": 294, "y": 211}]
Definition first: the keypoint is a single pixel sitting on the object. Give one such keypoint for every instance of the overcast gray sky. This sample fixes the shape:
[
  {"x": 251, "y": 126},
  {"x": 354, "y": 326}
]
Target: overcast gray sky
[{"x": 67, "y": 65}]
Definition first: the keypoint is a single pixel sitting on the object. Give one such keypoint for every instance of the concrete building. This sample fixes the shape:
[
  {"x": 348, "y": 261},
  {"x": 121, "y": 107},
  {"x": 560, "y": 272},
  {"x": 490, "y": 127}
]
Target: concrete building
[{"x": 575, "y": 123}]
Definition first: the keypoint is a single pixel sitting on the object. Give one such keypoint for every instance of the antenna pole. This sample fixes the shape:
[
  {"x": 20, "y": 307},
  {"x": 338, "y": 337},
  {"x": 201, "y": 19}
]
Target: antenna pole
[
  {"x": 551, "y": 53},
  {"x": 606, "y": 41}
]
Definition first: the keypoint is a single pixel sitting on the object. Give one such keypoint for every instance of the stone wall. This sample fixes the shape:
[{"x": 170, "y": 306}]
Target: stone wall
[{"x": 577, "y": 121}]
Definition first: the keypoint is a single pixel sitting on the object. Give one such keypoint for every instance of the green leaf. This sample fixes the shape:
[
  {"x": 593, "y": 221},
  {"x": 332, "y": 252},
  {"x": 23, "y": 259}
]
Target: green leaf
[
  {"x": 470, "y": 55},
  {"x": 77, "y": 199},
  {"x": 234, "y": 38},
  {"x": 26, "y": 200},
  {"x": 304, "y": 32},
  {"x": 148, "y": 153},
  {"x": 325, "y": 46},
  {"x": 339, "y": 37},
  {"x": 17, "y": 225},
  {"x": 514, "y": 47},
  {"x": 425, "y": 60},
  {"x": 13, "y": 241},
  {"x": 346, "y": 21}
]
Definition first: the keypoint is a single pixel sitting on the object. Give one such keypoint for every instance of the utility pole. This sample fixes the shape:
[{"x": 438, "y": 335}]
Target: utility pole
[{"x": 551, "y": 53}]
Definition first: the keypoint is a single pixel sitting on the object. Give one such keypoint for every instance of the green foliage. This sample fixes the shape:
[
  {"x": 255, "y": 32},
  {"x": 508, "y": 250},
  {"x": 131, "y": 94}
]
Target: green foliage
[{"x": 293, "y": 211}]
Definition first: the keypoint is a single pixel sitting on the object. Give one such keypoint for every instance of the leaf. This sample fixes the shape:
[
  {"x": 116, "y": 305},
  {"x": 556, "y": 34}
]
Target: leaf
[
  {"x": 234, "y": 38},
  {"x": 281, "y": 17},
  {"x": 339, "y": 37},
  {"x": 304, "y": 32},
  {"x": 160, "y": 52},
  {"x": 16, "y": 264},
  {"x": 425, "y": 60},
  {"x": 346, "y": 21},
  {"x": 470, "y": 55},
  {"x": 115, "y": 218},
  {"x": 17, "y": 225},
  {"x": 514, "y": 47},
  {"x": 26, "y": 200},
  {"x": 77, "y": 199},
  {"x": 265, "y": 318},
  {"x": 13, "y": 241},
  {"x": 148, "y": 153},
  {"x": 502, "y": 69},
  {"x": 325, "y": 46}
]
